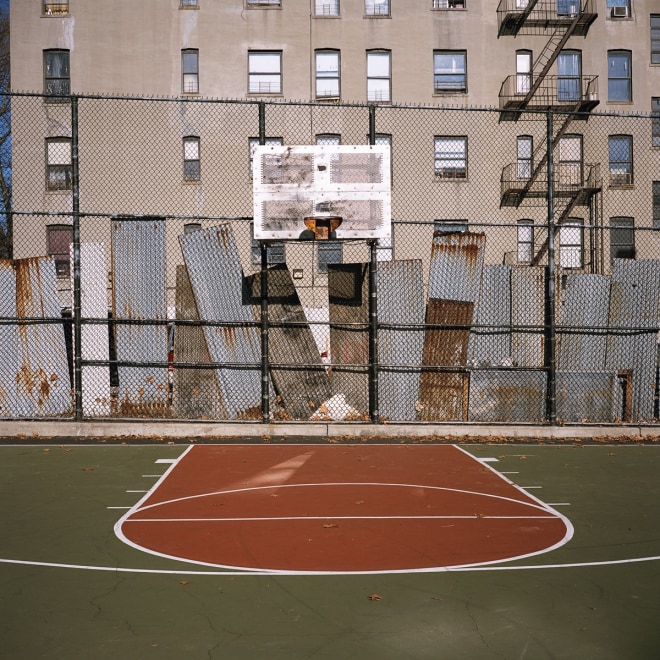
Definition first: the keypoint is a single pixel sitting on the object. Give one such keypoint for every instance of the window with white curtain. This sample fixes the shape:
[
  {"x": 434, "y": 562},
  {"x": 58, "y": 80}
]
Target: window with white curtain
[
  {"x": 619, "y": 76},
  {"x": 570, "y": 244},
  {"x": 190, "y": 71},
  {"x": 265, "y": 72},
  {"x": 379, "y": 80},
  {"x": 59, "y": 169},
  {"x": 450, "y": 157},
  {"x": 377, "y": 7},
  {"x": 449, "y": 71},
  {"x": 525, "y": 241},
  {"x": 191, "y": 161},
  {"x": 327, "y": 74},
  {"x": 326, "y": 7}
]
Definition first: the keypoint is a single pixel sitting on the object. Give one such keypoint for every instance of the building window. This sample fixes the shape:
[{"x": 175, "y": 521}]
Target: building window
[
  {"x": 57, "y": 80},
  {"x": 59, "y": 171},
  {"x": 448, "y": 4},
  {"x": 569, "y": 75},
  {"x": 189, "y": 4},
  {"x": 570, "y": 161},
  {"x": 450, "y": 226},
  {"x": 570, "y": 244},
  {"x": 385, "y": 140},
  {"x": 449, "y": 71},
  {"x": 377, "y": 7},
  {"x": 328, "y": 252},
  {"x": 525, "y": 241},
  {"x": 622, "y": 238},
  {"x": 621, "y": 164},
  {"x": 254, "y": 142},
  {"x": 327, "y": 74},
  {"x": 524, "y": 156},
  {"x": 265, "y": 72},
  {"x": 326, "y": 7},
  {"x": 274, "y": 249},
  {"x": 567, "y": 7},
  {"x": 191, "y": 166},
  {"x": 379, "y": 81},
  {"x": 655, "y": 38},
  {"x": 59, "y": 239},
  {"x": 523, "y": 71},
  {"x": 451, "y": 157},
  {"x": 190, "y": 71},
  {"x": 328, "y": 139},
  {"x": 618, "y": 8},
  {"x": 261, "y": 3},
  {"x": 385, "y": 249},
  {"x": 55, "y": 8},
  {"x": 656, "y": 204},
  {"x": 619, "y": 79},
  {"x": 191, "y": 227},
  {"x": 655, "y": 121}
]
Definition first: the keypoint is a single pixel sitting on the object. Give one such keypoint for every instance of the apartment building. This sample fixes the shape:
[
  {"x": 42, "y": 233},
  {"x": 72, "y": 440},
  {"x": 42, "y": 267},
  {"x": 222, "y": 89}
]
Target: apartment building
[{"x": 426, "y": 66}]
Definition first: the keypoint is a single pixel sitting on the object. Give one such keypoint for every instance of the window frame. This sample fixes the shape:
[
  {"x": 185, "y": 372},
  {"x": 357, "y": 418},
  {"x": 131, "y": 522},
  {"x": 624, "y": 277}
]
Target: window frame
[
  {"x": 61, "y": 258},
  {"x": 447, "y": 226},
  {"x": 60, "y": 8},
  {"x": 189, "y": 77},
  {"x": 63, "y": 81},
  {"x": 253, "y": 57},
  {"x": 613, "y": 80},
  {"x": 620, "y": 167},
  {"x": 327, "y": 52},
  {"x": 461, "y": 86},
  {"x": 447, "y": 5},
  {"x": 611, "y": 7},
  {"x": 192, "y": 167},
  {"x": 622, "y": 226},
  {"x": 655, "y": 122},
  {"x": 327, "y": 139},
  {"x": 524, "y": 163},
  {"x": 525, "y": 241},
  {"x": 571, "y": 253},
  {"x": 370, "y": 10},
  {"x": 372, "y": 93},
  {"x": 655, "y": 204},
  {"x": 451, "y": 173},
  {"x": 333, "y": 8},
  {"x": 59, "y": 175},
  {"x": 188, "y": 4},
  {"x": 654, "y": 36},
  {"x": 261, "y": 4}
]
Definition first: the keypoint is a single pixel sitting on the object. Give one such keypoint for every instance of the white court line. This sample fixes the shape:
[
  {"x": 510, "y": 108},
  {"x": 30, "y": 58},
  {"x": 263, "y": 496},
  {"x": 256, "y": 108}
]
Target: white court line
[
  {"x": 166, "y": 460},
  {"x": 152, "y": 476},
  {"x": 529, "y": 487},
  {"x": 124, "y": 508},
  {"x": 278, "y": 518},
  {"x": 137, "y": 491},
  {"x": 489, "y": 460}
]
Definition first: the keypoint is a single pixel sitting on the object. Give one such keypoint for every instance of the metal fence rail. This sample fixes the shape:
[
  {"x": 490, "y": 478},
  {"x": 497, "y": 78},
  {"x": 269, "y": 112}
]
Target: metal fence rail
[{"x": 521, "y": 283}]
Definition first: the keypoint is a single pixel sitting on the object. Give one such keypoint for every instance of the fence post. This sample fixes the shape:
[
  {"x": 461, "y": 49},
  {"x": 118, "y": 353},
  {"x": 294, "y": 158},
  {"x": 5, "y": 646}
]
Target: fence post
[
  {"x": 77, "y": 330},
  {"x": 263, "y": 279},
  {"x": 550, "y": 339},
  {"x": 373, "y": 303}
]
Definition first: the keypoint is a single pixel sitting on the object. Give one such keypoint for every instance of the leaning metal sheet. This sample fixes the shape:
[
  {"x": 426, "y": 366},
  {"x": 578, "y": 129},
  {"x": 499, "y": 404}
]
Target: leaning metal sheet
[
  {"x": 138, "y": 261},
  {"x": 634, "y": 321},
  {"x": 400, "y": 337},
  {"x": 10, "y": 404},
  {"x": 490, "y": 338},
  {"x": 527, "y": 315},
  {"x": 43, "y": 383},
  {"x": 583, "y": 323},
  {"x": 593, "y": 396},
  {"x": 216, "y": 276}
]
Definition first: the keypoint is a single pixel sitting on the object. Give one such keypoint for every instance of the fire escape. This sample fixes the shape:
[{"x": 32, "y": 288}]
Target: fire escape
[{"x": 570, "y": 97}]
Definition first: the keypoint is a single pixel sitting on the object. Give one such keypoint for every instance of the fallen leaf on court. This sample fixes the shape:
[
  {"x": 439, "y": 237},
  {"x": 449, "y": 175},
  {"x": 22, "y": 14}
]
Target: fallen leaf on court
[
  {"x": 375, "y": 597},
  {"x": 330, "y": 525},
  {"x": 88, "y": 469},
  {"x": 480, "y": 515},
  {"x": 360, "y": 502},
  {"x": 523, "y": 457},
  {"x": 184, "y": 582},
  {"x": 46, "y": 450}
]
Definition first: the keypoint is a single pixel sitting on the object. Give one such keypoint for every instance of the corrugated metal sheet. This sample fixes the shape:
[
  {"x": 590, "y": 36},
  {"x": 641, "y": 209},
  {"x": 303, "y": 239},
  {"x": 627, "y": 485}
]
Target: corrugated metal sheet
[
  {"x": 527, "y": 315},
  {"x": 43, "y": 386},
  {"x": 584, "y": 317},
  {"x": 94, "y": 337},
  {"x": 490, "y": 345},
  {"x": 301, "y": 382},
  {"x": 589, "y": 397},
  {"x": 138, "y": 266},
  {"x": 196, "y": 392},
  {"x": 507, "y": 396},
  {"x": 10, "y": 364},
  {"x": 456, "y": 265},
  {"x": 348, "y": 293},
  {"x": 217, "y": 281},
  {"x": 400, "y": 304},
  {"x": 634, "y": 307}
]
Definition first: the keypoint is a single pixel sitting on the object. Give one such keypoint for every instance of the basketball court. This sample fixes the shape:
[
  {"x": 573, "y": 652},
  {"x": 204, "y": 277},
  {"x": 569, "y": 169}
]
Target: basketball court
[{"x": 329, "y": 549}]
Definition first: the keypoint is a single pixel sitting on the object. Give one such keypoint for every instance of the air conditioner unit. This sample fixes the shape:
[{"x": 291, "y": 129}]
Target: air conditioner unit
[
  {"x": 619, "y": 12},
  {"x": 322, "y": 191}
]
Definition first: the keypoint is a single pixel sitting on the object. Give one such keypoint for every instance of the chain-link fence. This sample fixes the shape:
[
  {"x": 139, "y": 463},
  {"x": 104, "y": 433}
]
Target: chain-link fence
[{"x": 521, "y": 282}]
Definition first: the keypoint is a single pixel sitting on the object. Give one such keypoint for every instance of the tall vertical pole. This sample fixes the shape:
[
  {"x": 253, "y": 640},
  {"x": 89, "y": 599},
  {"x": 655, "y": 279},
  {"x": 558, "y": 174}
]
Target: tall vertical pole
[
  {"x": 550, "y": 343},
  {"x": 265, "y": 360},
  {"x": 374, "y": 413},
  {"x": 77, "y": 330}
]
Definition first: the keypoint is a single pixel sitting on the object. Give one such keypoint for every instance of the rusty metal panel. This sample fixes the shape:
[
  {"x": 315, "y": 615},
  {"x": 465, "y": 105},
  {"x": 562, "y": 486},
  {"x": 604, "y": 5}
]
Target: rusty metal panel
[
  {"x": 456, "y": 265},
  {"x": 43, "y": 385},
  {"x": 589, "y": 397},
  {"x": 10, "y": 364},
  {"x": 348, "y": 294},
  {"x": 634, "y": 320},
  {"x": 217, "y": 280},
  {"x": 507, "y": 396},
  {"x": 195, "y": 392},
  {"x": 401, "y": 341},
  {"x": 583, "y": 319},
  {"x": 528, "y": 315},
  {"x": 138, "y": 294},
  {"x": 299, "y": 376},
  {"x": 490, "y": 338},
  {"x": 95, "y": 344},
  {"x": 443, "y": 393}
]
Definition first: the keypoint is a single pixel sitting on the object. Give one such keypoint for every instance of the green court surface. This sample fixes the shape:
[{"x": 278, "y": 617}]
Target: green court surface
[{"x": 71, "y": 589}]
